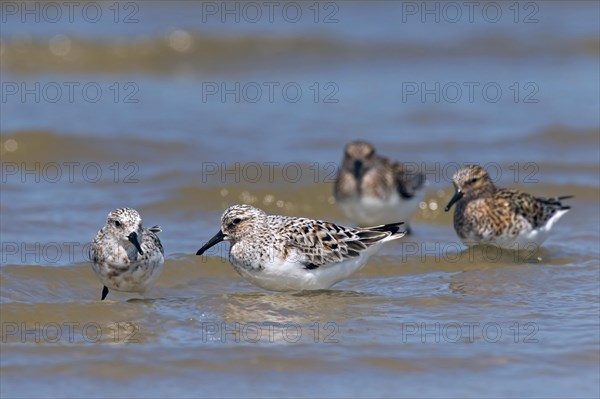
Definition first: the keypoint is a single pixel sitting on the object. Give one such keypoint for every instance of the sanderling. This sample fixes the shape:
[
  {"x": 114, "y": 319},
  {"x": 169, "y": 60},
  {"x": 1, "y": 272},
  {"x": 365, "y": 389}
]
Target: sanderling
[
  {"x": 506, "y": 218},
  {"x": 371, "y": 189},
  {"x": 125, "y": 256},
  {"x": 282, "y": 253}
]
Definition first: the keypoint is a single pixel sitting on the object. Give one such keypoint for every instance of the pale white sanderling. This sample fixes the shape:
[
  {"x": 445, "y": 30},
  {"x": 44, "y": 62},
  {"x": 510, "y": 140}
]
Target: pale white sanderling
[
  {"x": 371, "y": 189},
  {"x": 506, "y": 218},
  {"x": 125, "y": 256},
  {"x": 282, "y": 253}
]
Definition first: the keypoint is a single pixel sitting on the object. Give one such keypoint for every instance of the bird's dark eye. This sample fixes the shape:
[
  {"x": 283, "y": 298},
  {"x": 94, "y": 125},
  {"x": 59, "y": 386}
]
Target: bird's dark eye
[
  {"x": 117, "y": 223},
  {"x": 237, "y": 221},
  {"x": 473, "y": 180}
]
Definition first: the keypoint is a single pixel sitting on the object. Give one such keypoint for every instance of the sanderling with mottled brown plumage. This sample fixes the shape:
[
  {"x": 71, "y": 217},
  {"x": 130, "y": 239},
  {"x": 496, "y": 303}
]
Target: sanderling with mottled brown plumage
[
  {"x": 125, "y": 256},
  {"x": 282, "y": 253},
  {"x": 511, "y": 219},
  {"x": 372, "y": 190}
]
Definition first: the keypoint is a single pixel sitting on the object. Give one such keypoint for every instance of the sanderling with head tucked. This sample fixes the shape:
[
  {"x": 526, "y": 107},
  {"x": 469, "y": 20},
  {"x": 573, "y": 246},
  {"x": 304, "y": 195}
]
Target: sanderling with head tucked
[
  {"x": 282, "y": 253},
  {"x": 506, "y": 218},
  {"x": 372, "y": 190},
  {"x": 125, "y": 256}
]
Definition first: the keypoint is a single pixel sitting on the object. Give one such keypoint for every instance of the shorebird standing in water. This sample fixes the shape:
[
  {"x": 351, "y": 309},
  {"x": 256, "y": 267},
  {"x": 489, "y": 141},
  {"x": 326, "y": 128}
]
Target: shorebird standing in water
[
  {"x": 511, "y": 219},
  {"x": 125, "y": 256},
  {"x": 282, "y": 253},
  {"x": 372, "y": 190}
]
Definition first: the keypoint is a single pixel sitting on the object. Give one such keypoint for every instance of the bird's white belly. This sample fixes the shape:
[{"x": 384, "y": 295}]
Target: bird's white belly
[
  {"x": 134, "y": 279},
  {"x": 292, "y": 276},
  {"x": 372, "y": 211},
  {"x": 527, "y": 240}
]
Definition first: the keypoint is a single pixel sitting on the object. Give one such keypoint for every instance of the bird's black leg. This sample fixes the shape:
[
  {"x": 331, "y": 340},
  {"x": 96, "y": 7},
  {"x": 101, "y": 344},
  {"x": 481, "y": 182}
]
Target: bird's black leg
[{"x": 104, "y": 292}]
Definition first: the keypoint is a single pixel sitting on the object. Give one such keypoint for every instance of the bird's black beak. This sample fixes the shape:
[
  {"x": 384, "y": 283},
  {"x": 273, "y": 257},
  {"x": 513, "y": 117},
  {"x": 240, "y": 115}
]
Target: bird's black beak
[
  {"x": 457, "y": 196},
  {"x": 358, "y": 166},
  {"x": 212, "y": 242},
  {"x": 133, "y": 238}
]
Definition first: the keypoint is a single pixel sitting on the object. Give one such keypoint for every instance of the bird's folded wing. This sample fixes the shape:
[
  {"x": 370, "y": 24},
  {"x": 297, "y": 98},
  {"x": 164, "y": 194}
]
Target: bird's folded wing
[
  {"x": 408, "y": 182},
  {"x": 323, "y": 243},
  {"x": 151, "y": 240},
  {"x": 535, "y": 210}
]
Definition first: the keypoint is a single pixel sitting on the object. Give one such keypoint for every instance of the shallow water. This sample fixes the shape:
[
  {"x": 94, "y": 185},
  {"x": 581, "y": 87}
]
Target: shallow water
[{"x": 421, "y": 319}]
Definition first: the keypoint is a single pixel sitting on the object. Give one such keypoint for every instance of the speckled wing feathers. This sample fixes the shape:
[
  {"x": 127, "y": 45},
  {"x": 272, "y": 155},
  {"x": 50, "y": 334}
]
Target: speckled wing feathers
[
  {"x": 152, "y": 241},
  {"x": 556, "y": 201},
  {"x": 325, "y": 243},
  {"x": 537, "y": 211}
]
